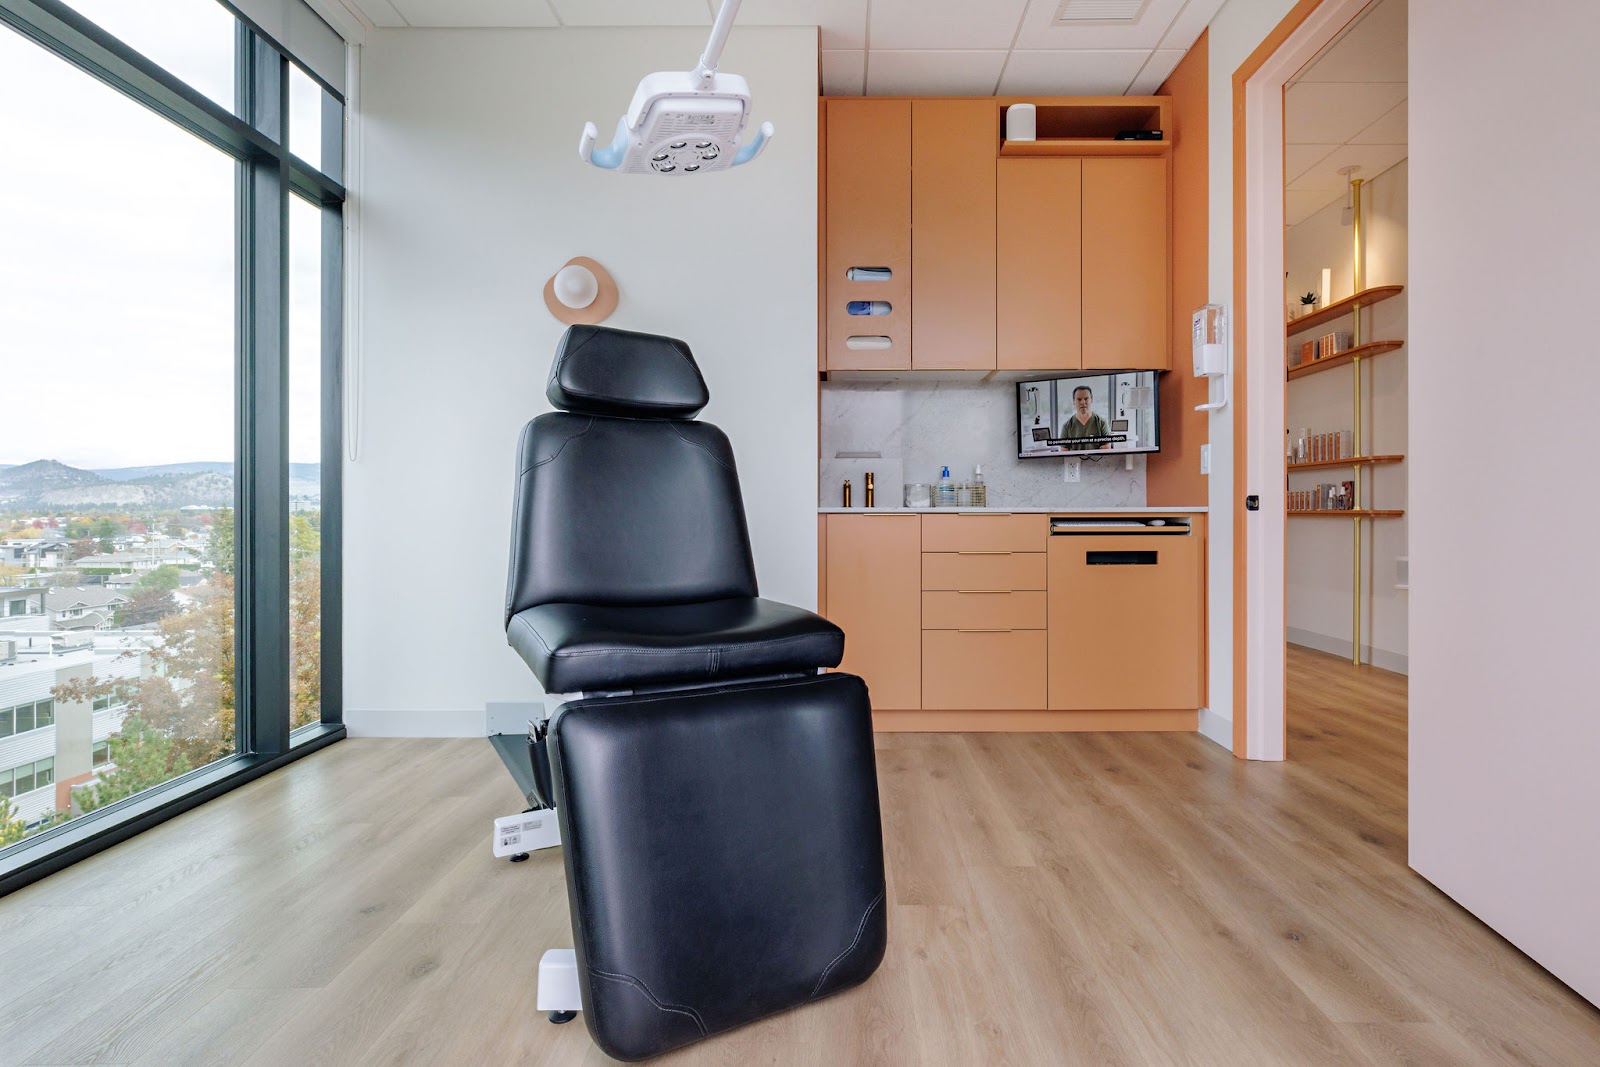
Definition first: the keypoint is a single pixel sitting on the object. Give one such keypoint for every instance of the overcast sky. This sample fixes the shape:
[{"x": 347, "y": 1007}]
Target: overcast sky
[{"x": 117, "y": 256}]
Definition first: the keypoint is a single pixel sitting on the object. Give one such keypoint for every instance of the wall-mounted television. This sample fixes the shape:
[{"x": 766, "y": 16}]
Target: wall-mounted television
[{"x": 1088, "y": 413}]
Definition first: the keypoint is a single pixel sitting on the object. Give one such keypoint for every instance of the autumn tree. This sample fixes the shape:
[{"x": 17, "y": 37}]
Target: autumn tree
[
  {"x": 221, "y": 550},
  {"x": 147, "y": 605},
  {"x": 12, "y": 828},
  {"x": 143, "y": 757},
  {"x": 305, "y": 618}
]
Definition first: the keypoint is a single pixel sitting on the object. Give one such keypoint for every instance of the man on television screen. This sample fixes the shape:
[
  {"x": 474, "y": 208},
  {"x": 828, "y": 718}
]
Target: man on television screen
[{"x": 1083, "y": 423}]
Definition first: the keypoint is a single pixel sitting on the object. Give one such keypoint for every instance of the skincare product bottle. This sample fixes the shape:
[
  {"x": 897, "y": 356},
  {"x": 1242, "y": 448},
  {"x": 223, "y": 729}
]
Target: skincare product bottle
[
  {"x": 847, "y": 492},
  {"x": 869, "y": 489},
  {"x": 980, "y": 492},
  {"x": 945, "y": 495}
]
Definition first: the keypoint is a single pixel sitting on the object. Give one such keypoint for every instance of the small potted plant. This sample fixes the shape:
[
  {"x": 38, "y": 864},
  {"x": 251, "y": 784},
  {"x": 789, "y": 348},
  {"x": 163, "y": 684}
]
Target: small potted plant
[{"x": 1308, "y": 304}]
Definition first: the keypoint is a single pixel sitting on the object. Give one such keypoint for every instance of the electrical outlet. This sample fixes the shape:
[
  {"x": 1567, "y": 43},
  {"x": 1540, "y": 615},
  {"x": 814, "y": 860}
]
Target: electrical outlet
[
  {"x": 1072, "y": 470},
  {"x": 1205, "y": 459}
]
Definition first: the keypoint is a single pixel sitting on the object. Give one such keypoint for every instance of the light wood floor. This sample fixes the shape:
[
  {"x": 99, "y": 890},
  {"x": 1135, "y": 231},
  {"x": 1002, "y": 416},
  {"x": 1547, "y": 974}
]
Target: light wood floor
[{"x": 1057, "y": 899}]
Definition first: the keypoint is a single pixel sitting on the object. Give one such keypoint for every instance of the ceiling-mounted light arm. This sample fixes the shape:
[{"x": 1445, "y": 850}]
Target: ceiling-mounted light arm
[
  {"x": 706, "y": 71},
  {"x": 683, "y": 122}
]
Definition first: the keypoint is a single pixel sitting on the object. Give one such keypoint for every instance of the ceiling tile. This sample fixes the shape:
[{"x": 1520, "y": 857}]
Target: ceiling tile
[
  {"x": 476, "y": 13},
  {"x": 1156, "y": 69},
  {"x": 893, "y": 72},
  {"x": 1101, "y": 73},
  {"x": 844, "y": 73},
  {"x": 1334, "y": 112},
  {"x": 1374, "y": 49},
  {"x": 380, "y": 13},
  {"x": 843, "y": 23},
  {"x": 630, "y": 12},
  {"x": 1301, "y": 205},
  {"x": 1299, "y": 158},
  {"x": 1391, "y": 129},
  {"x": 943, "y": 24},
  {"x": 1039, "y": 30},
  {"x": 1191, "y": 23},
  {"x": 1373, "y": 159}
]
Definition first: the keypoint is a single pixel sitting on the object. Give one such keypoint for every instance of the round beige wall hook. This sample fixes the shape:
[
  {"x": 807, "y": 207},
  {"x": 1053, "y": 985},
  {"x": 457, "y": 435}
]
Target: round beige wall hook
[{"x": 581, "y": 293}]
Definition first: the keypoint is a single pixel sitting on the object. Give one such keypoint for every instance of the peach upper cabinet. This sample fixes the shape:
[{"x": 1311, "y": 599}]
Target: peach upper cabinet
[
  {"x": 1084, "y": 264},
  {"x": 953, "y": 233},
  {"x": 947, "y": 249},
  {"x": 867, "y": 262}
]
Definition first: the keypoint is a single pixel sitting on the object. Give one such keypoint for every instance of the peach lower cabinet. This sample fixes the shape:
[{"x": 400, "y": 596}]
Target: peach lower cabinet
[{"x": 969, "y": 621}]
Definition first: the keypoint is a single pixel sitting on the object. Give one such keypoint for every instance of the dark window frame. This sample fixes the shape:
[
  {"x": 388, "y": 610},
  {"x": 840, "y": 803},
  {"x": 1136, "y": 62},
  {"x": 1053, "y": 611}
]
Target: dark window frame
[{"x": 268, "y": 174}]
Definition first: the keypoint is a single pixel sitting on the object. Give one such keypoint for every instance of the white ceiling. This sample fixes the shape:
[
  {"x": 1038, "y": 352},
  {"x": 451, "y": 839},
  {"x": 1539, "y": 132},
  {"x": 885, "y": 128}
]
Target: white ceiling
[
  {"x": 1346, "y": 108},
  {"x": 891, "y": 47}
]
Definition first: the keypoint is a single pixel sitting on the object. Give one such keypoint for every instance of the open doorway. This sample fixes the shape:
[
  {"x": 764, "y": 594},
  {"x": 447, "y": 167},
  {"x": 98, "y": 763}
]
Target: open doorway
[
  {"x": 1262, "y": 513},
  {"x": 1345, "y": 211}
]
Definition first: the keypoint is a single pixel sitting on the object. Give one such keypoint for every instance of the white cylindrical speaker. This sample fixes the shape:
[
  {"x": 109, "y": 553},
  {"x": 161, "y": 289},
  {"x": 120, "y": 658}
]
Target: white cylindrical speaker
[{"x": 1022, "y": 122}]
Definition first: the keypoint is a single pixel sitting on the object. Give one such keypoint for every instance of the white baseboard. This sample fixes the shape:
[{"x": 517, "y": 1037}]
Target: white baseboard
[
  {"x": 1217, "y": 728},
  {"x": 409, "y": 723},
  {"x": 1378, "y": 657}
]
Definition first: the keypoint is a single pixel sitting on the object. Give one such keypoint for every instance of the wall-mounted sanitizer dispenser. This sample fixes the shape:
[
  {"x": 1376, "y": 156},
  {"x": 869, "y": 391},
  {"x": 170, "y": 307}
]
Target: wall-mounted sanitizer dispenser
[{"x": 1211, "y": 349}]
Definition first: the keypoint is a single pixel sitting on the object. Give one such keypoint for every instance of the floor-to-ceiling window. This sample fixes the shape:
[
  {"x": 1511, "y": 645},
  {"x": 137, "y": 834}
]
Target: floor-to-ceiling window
[{"x": 170, "y": 222}]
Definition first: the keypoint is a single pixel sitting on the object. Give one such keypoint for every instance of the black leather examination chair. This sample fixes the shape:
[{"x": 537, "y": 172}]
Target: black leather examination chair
[{"x": 716, "y": 794}]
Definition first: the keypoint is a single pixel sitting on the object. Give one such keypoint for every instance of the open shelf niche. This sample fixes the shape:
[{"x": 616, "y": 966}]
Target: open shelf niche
[{"x": 1088, "y": 126}]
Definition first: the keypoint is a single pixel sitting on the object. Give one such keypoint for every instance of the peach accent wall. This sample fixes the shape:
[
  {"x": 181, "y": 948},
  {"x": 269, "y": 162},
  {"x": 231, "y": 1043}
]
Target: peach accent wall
[{"x": 1173, "y": 476}]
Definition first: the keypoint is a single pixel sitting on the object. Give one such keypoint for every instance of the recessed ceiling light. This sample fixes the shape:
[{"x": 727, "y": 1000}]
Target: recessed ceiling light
[{"x": 1072, "y": 12}]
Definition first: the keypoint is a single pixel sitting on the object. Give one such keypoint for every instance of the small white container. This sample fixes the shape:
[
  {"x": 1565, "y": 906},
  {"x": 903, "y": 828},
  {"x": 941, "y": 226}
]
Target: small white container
[{"x": 1022, "y": 122}]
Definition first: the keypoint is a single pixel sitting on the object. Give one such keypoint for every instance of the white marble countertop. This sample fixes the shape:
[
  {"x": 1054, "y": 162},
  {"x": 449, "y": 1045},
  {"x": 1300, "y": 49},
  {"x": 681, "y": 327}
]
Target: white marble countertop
[{"x": 1012, "y": 511}]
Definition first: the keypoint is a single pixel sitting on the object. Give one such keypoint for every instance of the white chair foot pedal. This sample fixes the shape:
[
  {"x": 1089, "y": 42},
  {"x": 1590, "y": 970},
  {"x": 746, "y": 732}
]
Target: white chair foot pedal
[
  {"x": 558, "y": 985},
  {"x": 518, "y": 835}
]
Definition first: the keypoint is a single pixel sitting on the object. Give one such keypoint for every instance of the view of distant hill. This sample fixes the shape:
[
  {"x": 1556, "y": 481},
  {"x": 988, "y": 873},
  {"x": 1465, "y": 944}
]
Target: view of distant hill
[{"x": 46, "y": 484}]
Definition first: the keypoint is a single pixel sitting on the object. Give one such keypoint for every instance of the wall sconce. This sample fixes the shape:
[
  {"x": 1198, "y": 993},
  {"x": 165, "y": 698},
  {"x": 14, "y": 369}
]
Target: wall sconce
[{"x": 581, "y": 293}]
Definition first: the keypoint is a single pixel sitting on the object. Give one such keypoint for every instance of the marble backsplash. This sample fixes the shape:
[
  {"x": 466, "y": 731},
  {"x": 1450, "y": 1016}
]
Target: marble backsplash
[{"x": 917, "y": 427}]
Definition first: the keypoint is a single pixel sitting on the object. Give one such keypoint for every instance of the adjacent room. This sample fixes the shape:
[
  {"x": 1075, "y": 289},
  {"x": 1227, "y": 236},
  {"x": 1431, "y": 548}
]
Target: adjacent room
[{"x": 944, "y": 534}]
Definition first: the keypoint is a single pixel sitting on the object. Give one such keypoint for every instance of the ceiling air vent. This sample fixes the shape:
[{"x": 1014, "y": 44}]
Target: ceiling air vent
[{"x": 1073, "y": 12}]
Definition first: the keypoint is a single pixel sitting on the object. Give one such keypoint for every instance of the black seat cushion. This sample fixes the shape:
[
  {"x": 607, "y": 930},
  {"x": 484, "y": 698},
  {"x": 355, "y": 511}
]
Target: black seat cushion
[
  {"x": 586, "y": 648},
  {"x": 724, "y": 855}
]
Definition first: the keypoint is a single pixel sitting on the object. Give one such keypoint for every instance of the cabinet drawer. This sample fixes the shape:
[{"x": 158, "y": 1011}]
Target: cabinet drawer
[
  {"x": 994, "y": 570},
  {"x": 987, "y": 610},
  {"x": 985, "y": 533},
  {"x": 983, "y": 671}
]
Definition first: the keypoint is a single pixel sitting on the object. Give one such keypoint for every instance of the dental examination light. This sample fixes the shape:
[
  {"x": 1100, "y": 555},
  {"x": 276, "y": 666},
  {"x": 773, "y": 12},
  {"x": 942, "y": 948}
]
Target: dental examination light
[{"x": 683, "y": 122}]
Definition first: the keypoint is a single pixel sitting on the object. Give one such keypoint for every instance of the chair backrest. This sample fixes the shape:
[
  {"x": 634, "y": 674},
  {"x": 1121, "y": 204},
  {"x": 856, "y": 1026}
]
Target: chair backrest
[{"x": 622, "y": 497}]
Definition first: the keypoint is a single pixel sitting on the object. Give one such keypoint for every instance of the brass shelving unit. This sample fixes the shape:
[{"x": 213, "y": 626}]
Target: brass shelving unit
[{"x": 1351, "y": 357}]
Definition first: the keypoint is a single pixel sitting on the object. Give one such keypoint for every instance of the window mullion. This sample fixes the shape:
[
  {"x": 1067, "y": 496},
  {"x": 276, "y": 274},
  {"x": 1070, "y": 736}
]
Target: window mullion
[{"x": 262, "y": 591}]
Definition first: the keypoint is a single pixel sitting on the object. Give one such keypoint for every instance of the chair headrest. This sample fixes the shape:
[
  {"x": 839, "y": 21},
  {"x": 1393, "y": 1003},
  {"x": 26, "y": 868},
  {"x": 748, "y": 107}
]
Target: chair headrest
[{"x": 601, "y": 371}]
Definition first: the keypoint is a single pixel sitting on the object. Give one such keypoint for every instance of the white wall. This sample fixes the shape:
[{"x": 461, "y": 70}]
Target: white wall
[
  {"x": 1238, "y": 28},
  {"x": 1505, "y": 731},
  {"x": 471, "y": 195},
  {"x": 1318, "y": 551}
]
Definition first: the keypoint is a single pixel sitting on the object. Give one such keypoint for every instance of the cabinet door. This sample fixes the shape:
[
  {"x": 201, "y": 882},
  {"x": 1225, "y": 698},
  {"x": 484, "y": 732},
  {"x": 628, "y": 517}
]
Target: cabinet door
[
  {"x": 875, "y": 595},
  {"x": 952, "y": 228},
  {"x": 1125, "y": 623},
  {"x": 1039, "y": 264},
  {"x": 1127, "y": 253},
  {"x": 868, "y": 225}
]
